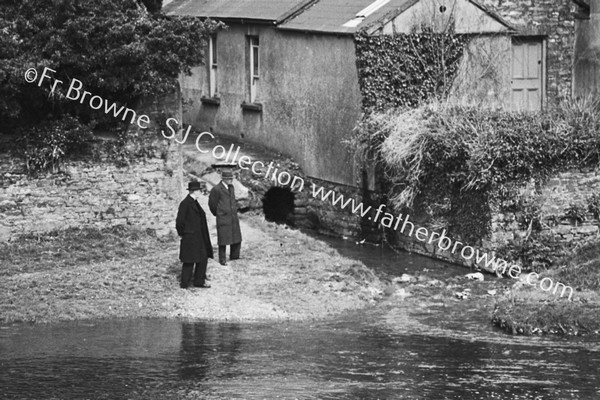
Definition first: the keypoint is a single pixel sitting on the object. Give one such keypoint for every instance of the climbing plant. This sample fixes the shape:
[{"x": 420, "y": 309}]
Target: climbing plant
[
  {"x": 460, "y": 159},
  {"x": 403, "y": 70}
]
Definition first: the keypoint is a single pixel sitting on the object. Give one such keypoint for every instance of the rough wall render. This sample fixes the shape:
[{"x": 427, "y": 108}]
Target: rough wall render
[
  {"x": 308, "y": 90},
  {"x": 555, "y": 20}
]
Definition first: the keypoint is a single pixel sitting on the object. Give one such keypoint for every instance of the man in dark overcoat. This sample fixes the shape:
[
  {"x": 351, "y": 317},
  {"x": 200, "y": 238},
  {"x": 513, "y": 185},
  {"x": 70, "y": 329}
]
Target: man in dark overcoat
[
  {"x": 195, "y": 245},
  {"x": 222, "y": 204}
]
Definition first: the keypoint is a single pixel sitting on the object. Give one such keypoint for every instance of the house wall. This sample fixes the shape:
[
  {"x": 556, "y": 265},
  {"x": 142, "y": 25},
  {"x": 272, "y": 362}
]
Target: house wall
[
  {"x": 550, "y": 18},
  {"x": 468, "y": 18},
  {"x": 308, "y": 89},
  {"x": 483, "y": 76},
  {"x": 555, "y": 19},
  {"x": 586, "y": 76}
]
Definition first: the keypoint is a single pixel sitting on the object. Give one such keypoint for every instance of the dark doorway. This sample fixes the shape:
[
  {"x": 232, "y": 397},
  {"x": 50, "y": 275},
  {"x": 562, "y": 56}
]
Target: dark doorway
[{"x": 278, "y": 205}]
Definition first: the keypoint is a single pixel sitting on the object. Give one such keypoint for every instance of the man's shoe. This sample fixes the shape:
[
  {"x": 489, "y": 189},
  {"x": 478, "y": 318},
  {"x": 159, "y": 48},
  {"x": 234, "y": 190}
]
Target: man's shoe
[
  {"x": 203, "y": 286},
  {"x": 222, "y": 263}
]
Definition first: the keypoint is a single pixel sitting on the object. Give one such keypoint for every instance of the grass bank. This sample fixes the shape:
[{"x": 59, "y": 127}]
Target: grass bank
[
  {"x": 528, "y": 310},
  {"x": 123, "y": 272}
]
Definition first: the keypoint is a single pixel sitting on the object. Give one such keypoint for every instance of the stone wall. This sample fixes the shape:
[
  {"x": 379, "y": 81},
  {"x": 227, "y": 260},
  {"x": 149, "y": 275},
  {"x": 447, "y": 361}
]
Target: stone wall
[
  {"x": 557, "y": 201},
  {"x": 90, "y": 195},
  {"x": 330, "y": 219},
  {"x": 100, "y": 193},
  {"x": 309, "y": 212},
  {"x": 564, "y": 210},
  {"x": 555, "y": 19}
]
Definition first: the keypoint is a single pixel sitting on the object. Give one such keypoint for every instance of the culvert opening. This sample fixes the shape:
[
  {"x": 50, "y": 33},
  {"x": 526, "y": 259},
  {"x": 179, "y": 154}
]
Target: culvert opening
[{"x": 278, "y": 205}]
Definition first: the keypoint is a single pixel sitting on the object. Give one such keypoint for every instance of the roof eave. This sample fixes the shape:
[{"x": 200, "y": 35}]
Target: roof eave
[
  {"x": 379, "y": 23},
  {"x": 316, "y": 31},
  {"x": 230, "y": 19},
  {"x": 494, "y": 15}
]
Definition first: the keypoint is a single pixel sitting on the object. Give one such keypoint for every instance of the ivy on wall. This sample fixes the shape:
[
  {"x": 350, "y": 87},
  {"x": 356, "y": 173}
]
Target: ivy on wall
[
  {"x": 451, "y": 163},
  {"x": 447, "y": 164},
  {"x": 406, "y": 69}
]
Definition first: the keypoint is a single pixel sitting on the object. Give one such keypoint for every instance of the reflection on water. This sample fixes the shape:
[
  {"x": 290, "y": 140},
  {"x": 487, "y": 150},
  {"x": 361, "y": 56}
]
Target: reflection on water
[
  {"x": 351, "y": 358},
  {"x": 385, "y": 354},
  {"x": 381, "y": 258}
]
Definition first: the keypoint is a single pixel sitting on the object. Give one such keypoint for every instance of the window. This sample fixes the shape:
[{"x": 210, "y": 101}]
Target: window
[
  {"x": 254, "y": 66},
  {"x": 212, "y": 65}
]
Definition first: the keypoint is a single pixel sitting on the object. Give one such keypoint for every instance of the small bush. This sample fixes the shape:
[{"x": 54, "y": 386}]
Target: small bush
[{"x": 46, "y": 145}]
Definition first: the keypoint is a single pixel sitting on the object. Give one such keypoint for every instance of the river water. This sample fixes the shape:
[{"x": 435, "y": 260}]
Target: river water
[{"x": 378, "y": 353}]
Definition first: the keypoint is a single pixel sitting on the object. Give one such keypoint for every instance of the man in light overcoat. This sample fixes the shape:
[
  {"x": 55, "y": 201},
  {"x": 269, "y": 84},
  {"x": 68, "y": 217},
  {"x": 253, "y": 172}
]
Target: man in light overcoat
[
  {"x": 222, "y": 204},
  {"x": 195, "y": 247}
]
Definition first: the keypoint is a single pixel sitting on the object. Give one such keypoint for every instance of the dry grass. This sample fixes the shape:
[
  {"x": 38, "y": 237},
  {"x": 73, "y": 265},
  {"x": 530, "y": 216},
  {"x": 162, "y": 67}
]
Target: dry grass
[{"x": 72, "y": 247}]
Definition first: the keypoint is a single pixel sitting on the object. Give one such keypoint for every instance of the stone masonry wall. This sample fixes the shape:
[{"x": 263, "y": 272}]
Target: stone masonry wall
[
  {"x": 564, "y": 210},
  {"x": 144, "y": 193},
  {"x": 574, "y": 190},
  {"x": 96, "y": 195},
  {"x": 309, "y": 212},
  {"x": 555, "y": 19}
]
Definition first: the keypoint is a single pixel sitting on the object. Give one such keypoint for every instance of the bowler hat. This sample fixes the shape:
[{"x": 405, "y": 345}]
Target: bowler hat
[
  {"x": 224, "y": 165},
  {"x": 193, "y": 185},
  {"x": 227, "y": 174}
]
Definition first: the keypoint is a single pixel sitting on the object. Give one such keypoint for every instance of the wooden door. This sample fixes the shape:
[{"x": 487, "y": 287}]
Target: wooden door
[{"x": 527, "y": 91}]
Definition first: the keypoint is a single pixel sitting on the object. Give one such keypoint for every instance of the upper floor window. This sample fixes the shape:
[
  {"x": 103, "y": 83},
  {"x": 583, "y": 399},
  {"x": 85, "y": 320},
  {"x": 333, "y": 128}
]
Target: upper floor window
[
  {"x": 254, "y": 64},
  {"x": 212, "y": 65}
]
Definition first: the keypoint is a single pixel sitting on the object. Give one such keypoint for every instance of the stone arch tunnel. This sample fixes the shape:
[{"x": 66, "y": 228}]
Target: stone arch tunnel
[{"x": 278, "y": 205}]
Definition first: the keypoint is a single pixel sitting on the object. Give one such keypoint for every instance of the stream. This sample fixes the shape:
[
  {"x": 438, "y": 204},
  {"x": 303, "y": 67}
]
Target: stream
[{"x": 377, "y": 353}]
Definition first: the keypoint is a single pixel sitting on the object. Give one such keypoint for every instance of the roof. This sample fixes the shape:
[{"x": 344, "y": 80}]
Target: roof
[
  {"x": 340, "y": 16},
  {"x": 325, "y": 16},
  {"x": 258, "y": 10},
  {"x": 493, "y": 14}
]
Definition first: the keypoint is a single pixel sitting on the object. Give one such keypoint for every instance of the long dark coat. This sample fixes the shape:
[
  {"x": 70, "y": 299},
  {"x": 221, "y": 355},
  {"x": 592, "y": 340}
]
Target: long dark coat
[
  {"x": 191, "y": 226},
  {"x": 222, "y": 204}
]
